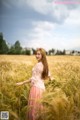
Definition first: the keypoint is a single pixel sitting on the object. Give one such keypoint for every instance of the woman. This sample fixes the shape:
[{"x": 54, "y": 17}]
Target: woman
[{"x": 40, "y": 72}]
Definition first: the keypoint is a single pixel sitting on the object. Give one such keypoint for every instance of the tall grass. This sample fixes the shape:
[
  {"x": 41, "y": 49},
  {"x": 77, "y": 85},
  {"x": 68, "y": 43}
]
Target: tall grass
[{"x": 61, "y": 99}]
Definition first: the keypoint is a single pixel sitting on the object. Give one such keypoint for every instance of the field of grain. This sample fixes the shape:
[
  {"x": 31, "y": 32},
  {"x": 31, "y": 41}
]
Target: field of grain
[{"x": 62, "y": 97}]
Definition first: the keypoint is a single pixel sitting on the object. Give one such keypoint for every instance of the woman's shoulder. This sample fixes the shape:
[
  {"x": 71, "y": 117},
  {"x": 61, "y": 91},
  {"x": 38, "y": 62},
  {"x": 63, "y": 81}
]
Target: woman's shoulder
[{"x": 39, "y": 65}]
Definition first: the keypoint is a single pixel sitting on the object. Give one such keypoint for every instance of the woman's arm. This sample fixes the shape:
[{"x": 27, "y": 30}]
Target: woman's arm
[
  {"x": 49, "y": 76},
  {"x": 22, "y": 83}
]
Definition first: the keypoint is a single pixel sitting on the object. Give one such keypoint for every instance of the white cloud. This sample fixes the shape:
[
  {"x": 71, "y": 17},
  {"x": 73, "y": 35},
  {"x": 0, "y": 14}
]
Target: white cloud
[
  {"x": 59, "y": 13},
  {"x": 44, "y": 7},
  {"x": 39, "y": 6},
  {"x": 44, "y": 25},
  {"x": 74, "y": 17},
  {"x": 76, "y": 42},
  {"x": 43, "y": 35}
]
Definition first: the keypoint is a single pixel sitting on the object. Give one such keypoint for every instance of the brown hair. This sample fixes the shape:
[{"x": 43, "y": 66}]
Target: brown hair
[{"x": 44, "y": 61}]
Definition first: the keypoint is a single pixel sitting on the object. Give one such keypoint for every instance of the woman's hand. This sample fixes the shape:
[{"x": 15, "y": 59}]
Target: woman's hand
[
  {"x": 19, "y": 83},
  {"x": 51, "y": 78}
]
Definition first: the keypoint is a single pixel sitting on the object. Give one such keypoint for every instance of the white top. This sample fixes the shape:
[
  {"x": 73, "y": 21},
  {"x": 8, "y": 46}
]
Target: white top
[{"x": 36, "y": 79}]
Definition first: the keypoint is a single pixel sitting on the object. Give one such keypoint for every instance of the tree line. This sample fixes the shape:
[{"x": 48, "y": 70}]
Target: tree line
[
  {"x": 16, "y": 48},
  {"x": 13, "y": 49}
]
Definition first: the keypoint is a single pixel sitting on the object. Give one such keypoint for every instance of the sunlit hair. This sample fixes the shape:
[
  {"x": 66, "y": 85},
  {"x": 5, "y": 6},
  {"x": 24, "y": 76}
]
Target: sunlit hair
[{"x": 44, "y": 61}]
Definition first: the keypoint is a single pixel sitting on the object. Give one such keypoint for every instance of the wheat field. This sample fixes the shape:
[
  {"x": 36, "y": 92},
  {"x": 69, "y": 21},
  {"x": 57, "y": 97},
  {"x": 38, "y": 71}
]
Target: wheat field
[{"x": 61, "y": 99}]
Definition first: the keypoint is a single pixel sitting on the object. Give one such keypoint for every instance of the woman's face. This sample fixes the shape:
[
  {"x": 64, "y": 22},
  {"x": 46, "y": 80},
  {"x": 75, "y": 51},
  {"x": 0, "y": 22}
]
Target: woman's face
[{"x": 38, "y": 56}]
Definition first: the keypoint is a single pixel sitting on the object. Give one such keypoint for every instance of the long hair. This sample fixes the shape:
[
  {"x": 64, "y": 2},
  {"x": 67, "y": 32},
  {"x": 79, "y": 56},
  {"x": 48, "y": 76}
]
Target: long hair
[{"x": 44, "y": 62}]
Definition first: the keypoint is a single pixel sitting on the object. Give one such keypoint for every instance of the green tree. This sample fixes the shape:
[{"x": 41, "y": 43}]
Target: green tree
[
  {"x": 28, "y": 52},
  {"x": 59, "y": 52},
  {"x": 17, "y": 47},
  {"x": 12, "y": 50},
  {"x": 3, "y": 46}
]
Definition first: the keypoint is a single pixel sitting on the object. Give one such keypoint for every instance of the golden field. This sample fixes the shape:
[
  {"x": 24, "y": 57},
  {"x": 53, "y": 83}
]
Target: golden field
[{"x": 62, "y": 97}]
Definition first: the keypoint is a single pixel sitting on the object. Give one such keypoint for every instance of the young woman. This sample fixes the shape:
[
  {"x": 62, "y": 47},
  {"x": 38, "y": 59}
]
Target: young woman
[{"x": 40, "y": 72}]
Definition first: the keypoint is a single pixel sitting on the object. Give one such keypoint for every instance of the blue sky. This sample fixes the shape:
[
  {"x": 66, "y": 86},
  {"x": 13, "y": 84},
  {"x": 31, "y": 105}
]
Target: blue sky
[{"x": 41, "y": 23}]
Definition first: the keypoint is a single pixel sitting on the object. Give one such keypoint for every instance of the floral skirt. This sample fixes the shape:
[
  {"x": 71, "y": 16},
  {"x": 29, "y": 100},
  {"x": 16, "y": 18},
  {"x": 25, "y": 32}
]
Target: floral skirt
[{"x": 34, "y": 103}]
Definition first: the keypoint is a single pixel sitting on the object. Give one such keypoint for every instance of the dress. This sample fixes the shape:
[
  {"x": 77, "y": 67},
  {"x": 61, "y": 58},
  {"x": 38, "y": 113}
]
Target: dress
[{"x": 36, "y": 91}]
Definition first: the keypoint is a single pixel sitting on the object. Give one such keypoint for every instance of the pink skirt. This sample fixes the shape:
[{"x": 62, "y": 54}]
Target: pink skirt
[{"x": 33, "y": 103}]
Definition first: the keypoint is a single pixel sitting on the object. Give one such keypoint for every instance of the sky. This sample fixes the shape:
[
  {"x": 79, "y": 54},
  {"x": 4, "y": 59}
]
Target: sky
[{"x": 41, "y": 23}]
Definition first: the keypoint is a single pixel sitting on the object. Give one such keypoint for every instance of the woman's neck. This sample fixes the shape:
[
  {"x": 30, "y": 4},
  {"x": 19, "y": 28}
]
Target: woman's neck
[{"x": 39, "y": 61}]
